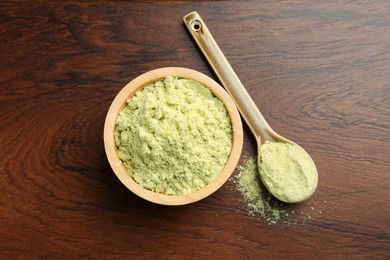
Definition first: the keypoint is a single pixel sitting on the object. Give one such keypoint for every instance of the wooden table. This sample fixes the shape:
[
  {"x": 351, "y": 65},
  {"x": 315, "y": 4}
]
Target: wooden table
[{"x": 318, "y": 70}]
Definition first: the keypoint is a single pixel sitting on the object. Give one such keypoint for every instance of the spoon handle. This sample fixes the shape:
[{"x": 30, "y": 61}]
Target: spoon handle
[{"x": 227, "y": 76}]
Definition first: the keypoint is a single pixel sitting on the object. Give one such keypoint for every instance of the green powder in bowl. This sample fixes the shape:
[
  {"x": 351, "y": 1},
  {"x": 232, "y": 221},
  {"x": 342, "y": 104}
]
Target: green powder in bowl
[{"x": 174, "y": 136}]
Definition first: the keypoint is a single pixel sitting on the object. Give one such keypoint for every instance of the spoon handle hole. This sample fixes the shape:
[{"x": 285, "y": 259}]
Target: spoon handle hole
[{"x": 196, "y": 25}]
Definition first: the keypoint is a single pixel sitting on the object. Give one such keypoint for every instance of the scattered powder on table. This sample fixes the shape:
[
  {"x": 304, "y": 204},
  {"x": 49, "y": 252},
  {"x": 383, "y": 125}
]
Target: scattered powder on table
[
  {"x": 174, "y": 136},
  {"x": 259, "y": 202}
]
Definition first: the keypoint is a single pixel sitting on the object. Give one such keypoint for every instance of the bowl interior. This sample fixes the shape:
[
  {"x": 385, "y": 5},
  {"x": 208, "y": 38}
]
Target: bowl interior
[{"x": 119, "y": 103}]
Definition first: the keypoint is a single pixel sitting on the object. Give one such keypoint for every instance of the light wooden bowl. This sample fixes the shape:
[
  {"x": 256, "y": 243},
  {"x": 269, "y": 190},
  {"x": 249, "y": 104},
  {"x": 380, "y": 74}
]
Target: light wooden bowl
[{"x": 119, "y": 103}]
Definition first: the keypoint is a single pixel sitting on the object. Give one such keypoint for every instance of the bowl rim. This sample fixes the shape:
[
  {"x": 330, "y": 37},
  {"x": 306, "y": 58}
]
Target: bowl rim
[{"x": 119, "y": 103}]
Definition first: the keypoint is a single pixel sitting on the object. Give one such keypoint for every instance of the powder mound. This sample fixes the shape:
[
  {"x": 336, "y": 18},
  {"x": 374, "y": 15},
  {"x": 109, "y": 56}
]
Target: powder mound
[
  {"x": 174, "y": 136},
  {"x": 287, "y": 171}
]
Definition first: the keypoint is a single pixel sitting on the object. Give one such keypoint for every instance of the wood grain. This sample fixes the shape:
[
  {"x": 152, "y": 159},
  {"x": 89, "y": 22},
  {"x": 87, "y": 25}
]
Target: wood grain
[{"x": 318, "y": 70}]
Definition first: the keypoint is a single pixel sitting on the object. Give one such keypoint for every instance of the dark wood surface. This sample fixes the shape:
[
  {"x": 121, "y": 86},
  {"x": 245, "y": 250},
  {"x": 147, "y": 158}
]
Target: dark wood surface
[{"x": 318, "y": 70}]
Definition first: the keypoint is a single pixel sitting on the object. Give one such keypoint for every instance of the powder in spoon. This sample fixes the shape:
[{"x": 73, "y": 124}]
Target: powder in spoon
[
  {"x": 174, "y": 136},
  {"x": 287, "y": 171}
]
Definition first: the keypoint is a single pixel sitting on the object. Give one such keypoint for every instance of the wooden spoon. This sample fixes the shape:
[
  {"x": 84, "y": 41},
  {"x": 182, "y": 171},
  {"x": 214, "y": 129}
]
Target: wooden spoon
[{"x": 248, "y": 109}]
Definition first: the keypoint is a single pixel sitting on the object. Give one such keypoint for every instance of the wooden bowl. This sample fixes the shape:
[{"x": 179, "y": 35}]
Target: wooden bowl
[{"x": 119, "y": 103}]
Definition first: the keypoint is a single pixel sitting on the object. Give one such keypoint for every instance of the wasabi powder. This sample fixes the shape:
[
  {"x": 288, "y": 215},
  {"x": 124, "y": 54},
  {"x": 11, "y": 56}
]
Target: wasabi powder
[
  {"x": 287, "y": 171},
  {"x": 174, "y": 136},
  {"x": 259, "y": 202}
]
